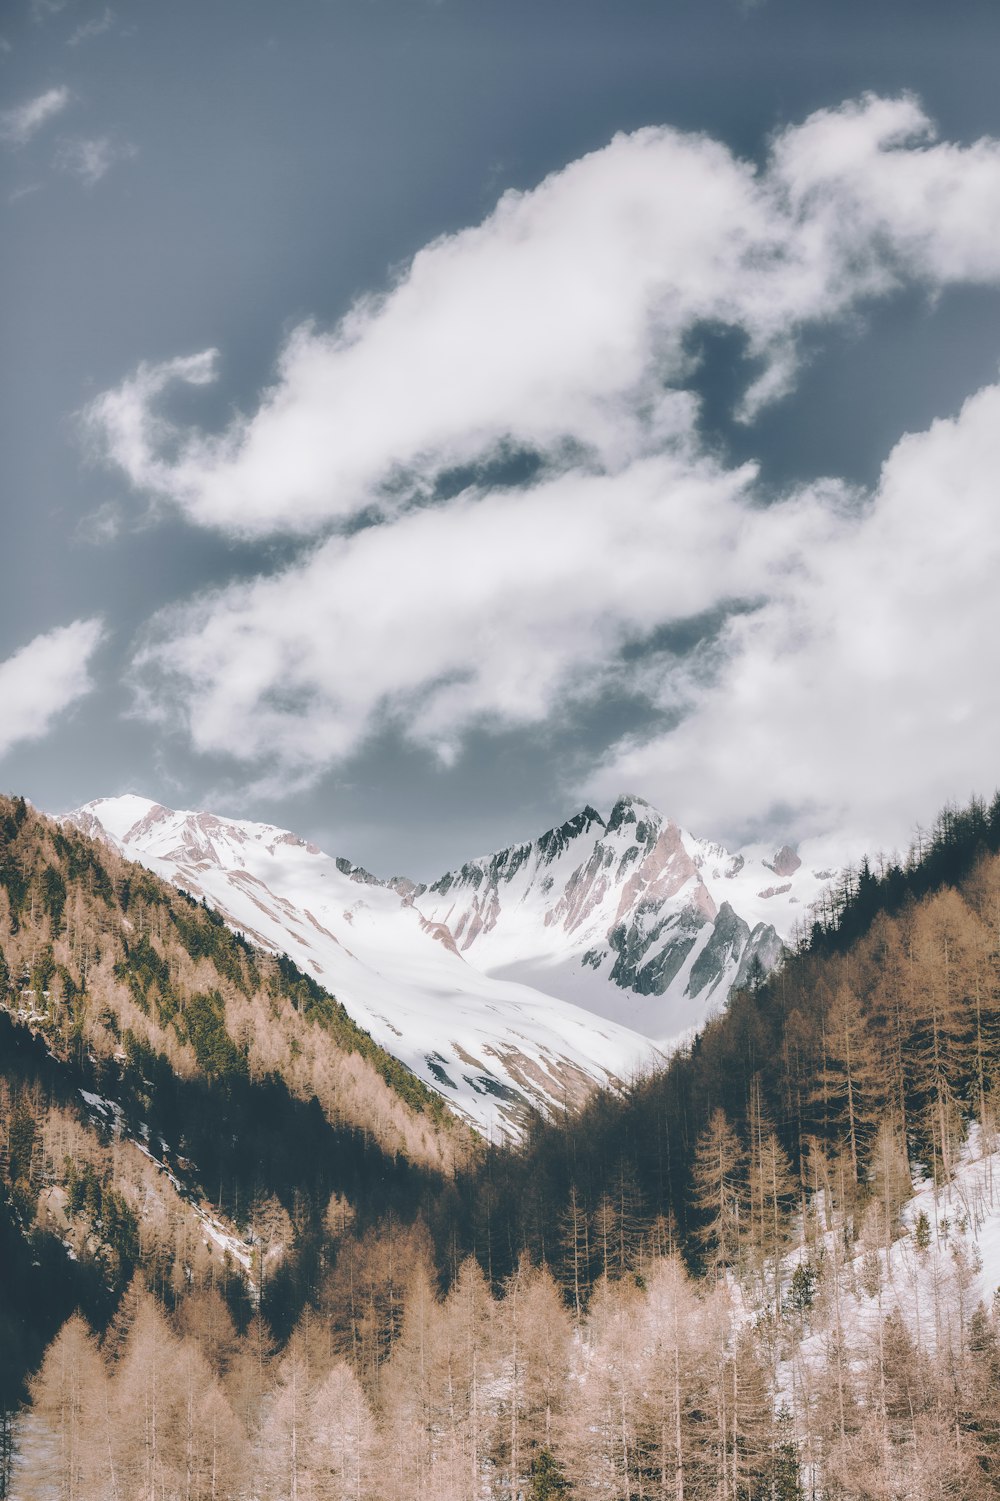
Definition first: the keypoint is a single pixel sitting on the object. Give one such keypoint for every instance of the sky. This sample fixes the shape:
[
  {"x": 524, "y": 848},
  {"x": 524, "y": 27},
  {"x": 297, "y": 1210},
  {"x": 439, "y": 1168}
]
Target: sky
[{"x": 422, "y": 417}]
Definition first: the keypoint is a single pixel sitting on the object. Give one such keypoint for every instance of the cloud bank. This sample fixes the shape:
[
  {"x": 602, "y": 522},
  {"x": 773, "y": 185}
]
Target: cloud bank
[
  {"x": 862, "y": 693},
  {"x": 859, "y": 631},
  {"x": 492, "y": 609},
  {"x": 563, "y": 318},
  {"x": 44, "y": 678}
]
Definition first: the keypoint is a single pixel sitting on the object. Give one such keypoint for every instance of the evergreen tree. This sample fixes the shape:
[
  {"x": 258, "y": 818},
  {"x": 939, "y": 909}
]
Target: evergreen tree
[{"x": 548, "y": 1478}]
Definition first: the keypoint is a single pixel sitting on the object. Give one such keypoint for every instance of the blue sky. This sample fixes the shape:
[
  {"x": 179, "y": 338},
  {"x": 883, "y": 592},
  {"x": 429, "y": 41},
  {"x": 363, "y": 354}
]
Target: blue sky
[{"x": 421, "y": 418}]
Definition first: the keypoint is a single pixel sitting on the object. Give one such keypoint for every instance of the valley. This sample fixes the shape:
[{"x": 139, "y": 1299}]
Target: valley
[
  {"x": 520, "y": 980},
  {"x": 767, "y": 1264}
]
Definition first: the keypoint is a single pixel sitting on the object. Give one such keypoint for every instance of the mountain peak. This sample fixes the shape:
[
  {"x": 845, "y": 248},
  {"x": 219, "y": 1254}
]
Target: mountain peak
[
  {"x": 631, "y": 809},
  {"x": 573, "y": 951},
  {"x": 115, "y": 816},
  {"x": 491, "y": 1045},
  {"x": 554, "y": 841}
]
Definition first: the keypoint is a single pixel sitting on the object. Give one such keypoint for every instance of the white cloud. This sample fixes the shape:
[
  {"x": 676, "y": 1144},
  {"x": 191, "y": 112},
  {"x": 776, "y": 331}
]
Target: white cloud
[
  {"x": 44, "y": 678},
  {"x": 862, "y": 694},
  {"x": 126, "y": 418},
  {"x": 91, "y": 158},
  {"x": 564, "y": 315},
  {"x": 494, "y": 609},
  {"x": 18, "y": 125},
  {"x": 851, "y": 689},
  {"x": 28, "y": 190},
  {"x": 101, "y": 525}
]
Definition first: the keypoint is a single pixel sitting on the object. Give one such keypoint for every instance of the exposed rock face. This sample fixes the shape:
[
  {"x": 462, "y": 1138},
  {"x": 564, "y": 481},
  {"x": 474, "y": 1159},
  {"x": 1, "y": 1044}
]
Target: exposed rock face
[
  {"x": 786, "y": 862},
  {"x": 762, "y": 954},
  {"x": 728, "y": 944},
  {"x": 669, "y": 923},
  {"x": 645, "y": 964}
]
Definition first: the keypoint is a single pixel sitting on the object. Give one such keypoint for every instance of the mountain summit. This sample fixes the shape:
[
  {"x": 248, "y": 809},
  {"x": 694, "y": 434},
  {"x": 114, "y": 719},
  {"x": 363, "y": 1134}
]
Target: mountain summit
[
  {"x": 522, "y": 978},
  {"x": 630, "y": 917}
]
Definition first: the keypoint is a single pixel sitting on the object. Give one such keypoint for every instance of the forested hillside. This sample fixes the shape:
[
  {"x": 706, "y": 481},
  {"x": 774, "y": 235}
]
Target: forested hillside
[
  {"x": 718, "y": 1286},
  {"x": 107, "y": 959},
  {"x": 174, "y": 1100},
  {"x": 884, "y": 1025}
]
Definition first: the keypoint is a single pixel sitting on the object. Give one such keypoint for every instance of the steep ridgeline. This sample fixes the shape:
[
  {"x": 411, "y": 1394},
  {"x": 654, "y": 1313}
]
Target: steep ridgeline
[
  {"x": 526, "y": 976},
  {"x": 489, "y": 1046},
  {"x": 110, "y": 963},
  {"x": 169, "y": 1095},
  {"x": 633, "y": 918}
]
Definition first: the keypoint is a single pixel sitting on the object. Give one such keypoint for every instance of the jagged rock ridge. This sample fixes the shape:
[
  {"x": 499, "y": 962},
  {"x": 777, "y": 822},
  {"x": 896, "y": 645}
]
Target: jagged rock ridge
[
  {"x": 491, "y": 1047},
  {"x": 631, "y": 917},
  {"x": 523, "y": 977}
]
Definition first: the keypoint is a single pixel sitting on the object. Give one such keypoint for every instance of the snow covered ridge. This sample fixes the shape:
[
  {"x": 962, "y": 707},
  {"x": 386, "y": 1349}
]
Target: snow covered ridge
[
  {"x": 526, "y": 976},
  {"x": 630, "y": 917}
]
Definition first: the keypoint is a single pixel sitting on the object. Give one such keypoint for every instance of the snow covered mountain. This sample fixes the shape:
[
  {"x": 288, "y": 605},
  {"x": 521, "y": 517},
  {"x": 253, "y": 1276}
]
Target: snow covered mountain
[
  {"x": 633, "y": 918},
  {"x": 526, "y": 975},
  {"x": 487, "y": 1045}
]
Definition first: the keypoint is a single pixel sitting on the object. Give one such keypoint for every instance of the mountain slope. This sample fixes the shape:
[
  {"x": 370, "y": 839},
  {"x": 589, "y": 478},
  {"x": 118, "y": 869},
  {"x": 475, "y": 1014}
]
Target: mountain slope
[
  {"x": 632, "y": 918},
  {"x": 489, "y": 1046},
  {"x": 525, "y": 976},
  {"x": 163, "y": 1085},
  {"x": 844, "y": 1338},
  {"x": 102, "y": 957}
]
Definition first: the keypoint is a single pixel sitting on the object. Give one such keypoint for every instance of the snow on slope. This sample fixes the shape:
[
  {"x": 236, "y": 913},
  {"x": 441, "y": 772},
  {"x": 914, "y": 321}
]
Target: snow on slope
[
  {"x": 486, "y": 1044},
  {"x": 962, "y": 1259},
  {"x": 934, "y": 1287},
  {"x": 633, "y": 918}
]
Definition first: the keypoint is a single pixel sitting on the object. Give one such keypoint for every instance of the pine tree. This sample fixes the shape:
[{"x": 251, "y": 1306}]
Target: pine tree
[
  {"x": 285, "y": 1432},
  {"x": 718, "y": 1174},
  {"x": 534, "y": 1336},
  {"x": 846, "y": 1081},
  {"x": 548, "y": 1478},
  {"x": 574, "y": 1249},
  {"x": 772, "y": 1189},
  {"x": 62, "y": 1444},
  {"x": 409, "y": 1391},
  {"x": 148, "y": 1403},
  {"x": 342, "y": 1444}
]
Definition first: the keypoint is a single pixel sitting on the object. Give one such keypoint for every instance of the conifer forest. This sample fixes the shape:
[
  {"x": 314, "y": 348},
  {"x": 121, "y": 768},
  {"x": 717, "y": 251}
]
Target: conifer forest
[{"x": 246, "y": 1255}]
